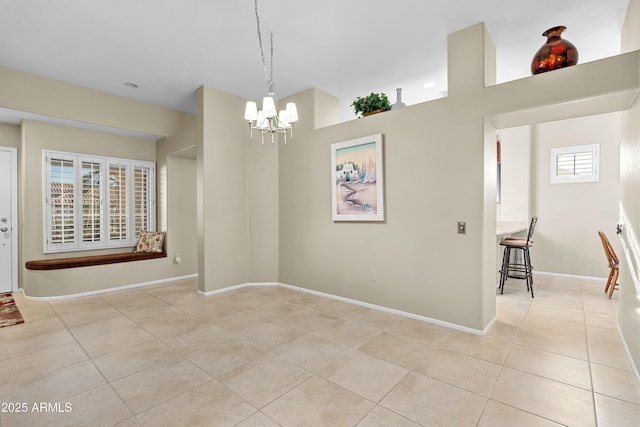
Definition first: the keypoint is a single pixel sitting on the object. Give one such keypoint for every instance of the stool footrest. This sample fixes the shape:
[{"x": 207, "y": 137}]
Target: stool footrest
[{"x": 516, "y": 270}]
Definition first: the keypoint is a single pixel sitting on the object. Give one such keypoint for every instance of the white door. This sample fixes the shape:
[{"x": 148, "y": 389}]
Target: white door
[{"x": 8, "y": 220}]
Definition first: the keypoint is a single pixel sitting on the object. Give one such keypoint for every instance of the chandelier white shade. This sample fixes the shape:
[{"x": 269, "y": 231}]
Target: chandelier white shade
[
  {"x": 251, "y": 111},
  {"x": 292, "y": 112},
  {"x": 287, "y": 116},
  {"x": 269, "y": 120}
]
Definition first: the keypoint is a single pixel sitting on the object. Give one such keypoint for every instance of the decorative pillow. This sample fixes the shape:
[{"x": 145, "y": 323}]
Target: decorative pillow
[{"x": 150, "y": 241}]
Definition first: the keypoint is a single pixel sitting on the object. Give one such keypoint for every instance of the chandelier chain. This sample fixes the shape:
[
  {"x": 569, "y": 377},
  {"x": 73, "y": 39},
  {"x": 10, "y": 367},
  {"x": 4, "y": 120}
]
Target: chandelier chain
[{"x": 267, "y": 74}]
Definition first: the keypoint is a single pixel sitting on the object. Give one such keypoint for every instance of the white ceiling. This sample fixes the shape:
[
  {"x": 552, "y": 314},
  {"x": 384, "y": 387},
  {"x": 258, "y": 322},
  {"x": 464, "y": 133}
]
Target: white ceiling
[{"x": 347, "y": 48}]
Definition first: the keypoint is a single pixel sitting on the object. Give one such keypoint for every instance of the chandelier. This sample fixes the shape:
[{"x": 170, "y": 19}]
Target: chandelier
[{"x": 269, "y": 120}]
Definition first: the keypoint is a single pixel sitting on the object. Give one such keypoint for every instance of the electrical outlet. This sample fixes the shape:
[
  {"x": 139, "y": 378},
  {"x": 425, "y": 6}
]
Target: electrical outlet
[
  {"x": 372, "y": 275},
  {"x": 238, "y": 262},
  {"x": 462, "y": 228},
  {"x": 177, "y": 258}
]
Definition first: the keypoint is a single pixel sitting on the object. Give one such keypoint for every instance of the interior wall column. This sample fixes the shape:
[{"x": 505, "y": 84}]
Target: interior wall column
[{"x": 222, "y": 196}]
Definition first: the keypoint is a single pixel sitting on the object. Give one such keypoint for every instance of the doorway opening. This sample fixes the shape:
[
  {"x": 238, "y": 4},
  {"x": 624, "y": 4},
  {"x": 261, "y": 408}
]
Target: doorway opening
[{"x": 8, "y": 219}]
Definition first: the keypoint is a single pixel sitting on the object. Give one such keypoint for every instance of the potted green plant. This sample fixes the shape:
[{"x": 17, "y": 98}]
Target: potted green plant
[{"x": 371, "y": 104}]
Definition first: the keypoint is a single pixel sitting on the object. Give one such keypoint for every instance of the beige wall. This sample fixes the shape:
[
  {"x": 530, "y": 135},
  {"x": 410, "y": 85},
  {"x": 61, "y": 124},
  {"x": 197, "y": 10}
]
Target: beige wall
[
  {"x": 487, "y": 284},
  {"x": 222, "y": 194},
  {"x": 181, "y": 145},
  {"x": 177, "y": 199},
  {"x": 439, "y": 169},
  {"x": 44, "y": 96},
  {"x": 263, "y": 171},
  {"x": 40, "y": 95},
  {"x": 629, "y": 296},
  {"x": 37, "y": 136},
  {"x": 254, "y": 224},
  {"x": 422, "y": 265},
  {"x": 569, "y": 215},
  {"x": 9, "y": 135},
  {"x": 516, "y": 174},
  {"x": 182, "y": 230}
]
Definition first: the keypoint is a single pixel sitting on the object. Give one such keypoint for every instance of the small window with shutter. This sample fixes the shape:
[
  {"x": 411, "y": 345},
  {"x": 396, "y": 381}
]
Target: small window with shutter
[{"x": 575, "y": 164}]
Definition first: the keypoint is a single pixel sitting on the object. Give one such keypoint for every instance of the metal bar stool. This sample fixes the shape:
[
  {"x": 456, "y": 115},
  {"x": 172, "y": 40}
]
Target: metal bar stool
[{"x": 515, "y": 269}]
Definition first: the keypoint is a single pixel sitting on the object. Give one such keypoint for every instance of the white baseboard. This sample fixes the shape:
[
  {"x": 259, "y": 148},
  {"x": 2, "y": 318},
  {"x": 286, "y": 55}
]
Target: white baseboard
[
  {"x": 394, "y": 311},
  {"x": 107, "y": 290},
  {"x": 571, "y": 276},
  {"x": 232, "y": 288},
  {"x": 634, "y": 370},
  {"x": 253, "y": 284},
  {"x": 484, "y": 331},
  {"x": 360, "y": 303}
]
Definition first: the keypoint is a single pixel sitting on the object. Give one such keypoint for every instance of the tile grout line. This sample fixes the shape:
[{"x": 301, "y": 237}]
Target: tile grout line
[
  {"x": 583, "y": 296},
  {"x": 530, "y": 303},
  {"x": 586, "y": 337},
  {"x": 493, "y": 386},
  {"x": 182, "y": 357},
  {"x": 89, "y": 358}
]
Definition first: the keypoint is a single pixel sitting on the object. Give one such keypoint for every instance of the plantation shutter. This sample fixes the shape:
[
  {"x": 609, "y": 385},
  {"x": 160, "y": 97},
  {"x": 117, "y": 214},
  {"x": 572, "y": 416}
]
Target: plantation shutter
[
  {"x": 118, "y": 213},
  {"x": 575, "y": 164},
  {"x": 142, "y": 198},
  {"x": 61, "y": 202},
  {"x": 91, "y": 181}
]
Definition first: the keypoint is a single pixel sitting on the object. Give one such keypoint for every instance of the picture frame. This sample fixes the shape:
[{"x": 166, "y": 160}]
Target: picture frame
[{"x": 357, "y": 187}]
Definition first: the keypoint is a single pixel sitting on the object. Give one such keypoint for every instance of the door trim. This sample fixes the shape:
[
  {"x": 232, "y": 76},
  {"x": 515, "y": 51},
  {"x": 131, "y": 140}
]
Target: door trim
[{"x": 14, "y": 216}]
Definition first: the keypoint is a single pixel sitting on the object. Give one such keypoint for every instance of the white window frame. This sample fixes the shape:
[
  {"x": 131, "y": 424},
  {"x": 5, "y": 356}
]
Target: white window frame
[
  {"x": 594, "y": 149},
  {"x": 105, "y": 241},
  {"x": 49, "y": 246}
]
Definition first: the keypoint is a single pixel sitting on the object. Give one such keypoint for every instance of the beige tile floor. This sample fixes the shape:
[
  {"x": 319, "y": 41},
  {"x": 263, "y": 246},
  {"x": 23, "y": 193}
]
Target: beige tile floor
[{"x": 272, "y": 356}]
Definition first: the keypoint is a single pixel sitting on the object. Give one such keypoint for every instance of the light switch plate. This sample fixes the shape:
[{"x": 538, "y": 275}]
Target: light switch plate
[{"x": 462, "y": 228}]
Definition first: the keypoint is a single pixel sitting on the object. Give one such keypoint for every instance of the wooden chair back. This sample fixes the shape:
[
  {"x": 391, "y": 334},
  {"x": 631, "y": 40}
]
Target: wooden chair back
[{"x": 612, "y": 258}]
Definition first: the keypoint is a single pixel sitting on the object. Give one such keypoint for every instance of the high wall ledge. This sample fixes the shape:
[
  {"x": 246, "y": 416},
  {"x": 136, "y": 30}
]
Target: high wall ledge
[{"x": 597, "y": 87}]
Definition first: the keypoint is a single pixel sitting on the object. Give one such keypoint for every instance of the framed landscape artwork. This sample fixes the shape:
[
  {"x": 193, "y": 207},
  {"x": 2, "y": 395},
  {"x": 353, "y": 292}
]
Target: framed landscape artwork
[{"x": 356, "y": 179}]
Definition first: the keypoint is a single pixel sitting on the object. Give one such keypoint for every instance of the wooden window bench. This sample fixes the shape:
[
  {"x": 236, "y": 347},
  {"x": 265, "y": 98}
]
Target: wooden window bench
[{"x": 85, "y": 261}]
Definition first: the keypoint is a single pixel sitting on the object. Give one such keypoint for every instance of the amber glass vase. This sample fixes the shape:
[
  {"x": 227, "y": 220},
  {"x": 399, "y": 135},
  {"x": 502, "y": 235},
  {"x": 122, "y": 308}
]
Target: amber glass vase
[{"x": 555, "y": 53}]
